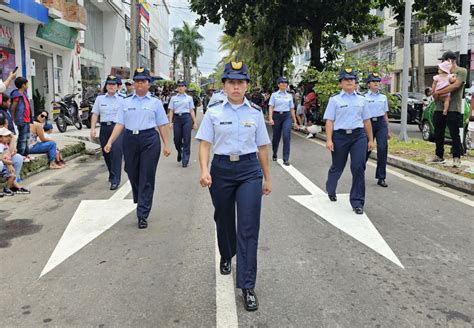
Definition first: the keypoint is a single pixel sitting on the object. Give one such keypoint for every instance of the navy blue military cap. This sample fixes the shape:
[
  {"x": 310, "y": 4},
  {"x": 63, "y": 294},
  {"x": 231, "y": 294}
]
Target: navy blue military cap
[
  {"x": 111, "y": 79},
  {"x": 235, "y": 71},
  {"x": 374, "y": 77},
  {"x": 282, "y": 79},
  {"x": 348, "y": 73},
  {"x": 181, "y": 83},
  {"x": 141, "y": 74}
]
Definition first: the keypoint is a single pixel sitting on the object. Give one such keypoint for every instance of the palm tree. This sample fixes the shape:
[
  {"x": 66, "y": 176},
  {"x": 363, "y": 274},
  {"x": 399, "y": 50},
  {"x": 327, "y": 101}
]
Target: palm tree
[{"x": 187, "y": 42}]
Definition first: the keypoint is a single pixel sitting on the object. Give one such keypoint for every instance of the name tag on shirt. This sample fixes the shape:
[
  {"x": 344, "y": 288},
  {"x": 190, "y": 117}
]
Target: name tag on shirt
[
  {"x": 343, "y": 106},
  {"x": 131, "y": 108},
  {"x": 225, "y": 123}
]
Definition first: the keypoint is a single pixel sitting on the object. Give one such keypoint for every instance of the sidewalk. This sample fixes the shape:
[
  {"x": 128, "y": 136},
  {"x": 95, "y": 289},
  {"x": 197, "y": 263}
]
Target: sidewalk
[
  {"x": 427, "y": 171},
  {"x": 73, "y": 143}
]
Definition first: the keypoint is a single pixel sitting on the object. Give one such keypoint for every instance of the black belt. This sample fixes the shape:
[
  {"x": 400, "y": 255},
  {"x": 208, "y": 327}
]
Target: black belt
[
  {"x": 236, "y": 158},
  {"x": 138, "y": 131},
  {"x": 375, "y": 119},
  {"x": 106, "y": 123},
  {"x": 181, "y": 114},
  {"x": 281, "y": 113},
  {"x": 347, "y": 131}
]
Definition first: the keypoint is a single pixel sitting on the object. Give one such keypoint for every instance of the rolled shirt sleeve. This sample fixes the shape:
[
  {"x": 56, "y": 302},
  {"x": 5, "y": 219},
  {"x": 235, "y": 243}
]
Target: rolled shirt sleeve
[
  {"x": 160, "y": 115},
  {"x": 206, "y": 129},
  {"x": 96, "y": 107},
  {"x": 385, "y": 109},
  {"x": 261, "y": 135},
  {"x": 366, "y": 111},
  {"x": 121, "y": 115},
  {"x": 330, "y": 112},
  {"x": 170, "y": 104},
  {"x": 272, "y": 100},
  {"x": 191, "y": 102}
]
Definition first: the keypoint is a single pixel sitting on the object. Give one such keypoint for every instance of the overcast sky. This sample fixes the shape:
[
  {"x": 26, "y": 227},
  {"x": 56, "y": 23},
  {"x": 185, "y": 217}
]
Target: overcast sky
[{"x": 211, "y": 33}]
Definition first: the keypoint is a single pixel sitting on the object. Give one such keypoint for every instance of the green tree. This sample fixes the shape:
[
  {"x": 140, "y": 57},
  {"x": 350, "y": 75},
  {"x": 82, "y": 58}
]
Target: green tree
[{"x": 187, "y": 42}]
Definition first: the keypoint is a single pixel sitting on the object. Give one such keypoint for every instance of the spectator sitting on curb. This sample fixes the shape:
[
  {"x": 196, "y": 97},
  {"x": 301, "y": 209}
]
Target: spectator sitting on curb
[
  {"x": 5, "y": 104},
  {"x": 44, "y": 145},
  {"x": 48, "y": 130},
  {"x": 12, "y": 163}
]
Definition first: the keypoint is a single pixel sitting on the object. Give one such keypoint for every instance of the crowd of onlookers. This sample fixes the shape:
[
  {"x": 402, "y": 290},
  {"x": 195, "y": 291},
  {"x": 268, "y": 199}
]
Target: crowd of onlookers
[{"x": 22, "y": 133}]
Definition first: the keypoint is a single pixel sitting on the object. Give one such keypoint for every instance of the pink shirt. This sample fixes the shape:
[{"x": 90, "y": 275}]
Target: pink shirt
[{"x": 442, "y": 81}]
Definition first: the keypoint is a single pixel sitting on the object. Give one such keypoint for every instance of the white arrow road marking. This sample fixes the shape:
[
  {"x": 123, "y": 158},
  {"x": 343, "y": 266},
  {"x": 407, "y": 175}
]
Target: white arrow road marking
[
  {"x": 340, "y": 215},
  {"x": 226, "y": 312},
  {"x": 91, "y": 219}
]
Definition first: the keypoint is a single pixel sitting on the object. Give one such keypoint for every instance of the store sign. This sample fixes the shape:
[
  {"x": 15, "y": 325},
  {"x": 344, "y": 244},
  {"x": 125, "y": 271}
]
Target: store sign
[
  {"x": 58, "y": 33},
  {"x": 6, "y": 35}
]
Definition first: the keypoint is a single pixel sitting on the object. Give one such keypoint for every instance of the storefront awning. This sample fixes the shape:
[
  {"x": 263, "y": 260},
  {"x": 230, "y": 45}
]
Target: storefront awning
[{"x": 25, "y": 11}]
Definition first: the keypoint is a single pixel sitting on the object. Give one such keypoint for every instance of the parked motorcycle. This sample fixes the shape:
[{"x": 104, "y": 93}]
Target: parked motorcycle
[
  {"x": 86, "y": 111},
  {"x": 66, "y": 112}
]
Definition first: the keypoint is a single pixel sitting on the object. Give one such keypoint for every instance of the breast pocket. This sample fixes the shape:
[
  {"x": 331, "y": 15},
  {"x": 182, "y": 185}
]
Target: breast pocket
[
  {"x": 248, "y": 131},
  {"x": 224, "y": 129}
]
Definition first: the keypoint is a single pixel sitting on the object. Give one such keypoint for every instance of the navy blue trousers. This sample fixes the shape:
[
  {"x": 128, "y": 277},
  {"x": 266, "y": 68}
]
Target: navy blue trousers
[
  {"x": 356, "y": 145},
  {"x": 380, "y": 131},
  {"x": 113, "y": 160},
  {"x": 238, "y": 186},
  {"x": 23, "y": 139},
  {"x": 282, "y": 125},
  {"x": 182, "y": 127},
  {"x": 141, "y": 153}
]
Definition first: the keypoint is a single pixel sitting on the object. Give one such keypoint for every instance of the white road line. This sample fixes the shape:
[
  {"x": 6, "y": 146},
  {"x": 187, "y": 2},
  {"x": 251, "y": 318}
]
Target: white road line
[
  {"x": 226, "y": 309},
  {"x": 341, "y": 216},
  {"x": 122, "y": 192},
  {"x": 419, "y": 183}
]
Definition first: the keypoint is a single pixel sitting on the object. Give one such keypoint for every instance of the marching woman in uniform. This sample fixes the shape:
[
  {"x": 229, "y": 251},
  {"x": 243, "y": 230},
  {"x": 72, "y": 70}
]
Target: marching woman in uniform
[
  {"x": 282, "y": 115},
  {"x": 183, "y": 120},
  {"x": 378, "y": 107},
  {"x": 238, "y": 177},
  {"x": 141, "y": 116},
  {"x": 348, "y": 131},
  {"x": 107, "y": 106}
]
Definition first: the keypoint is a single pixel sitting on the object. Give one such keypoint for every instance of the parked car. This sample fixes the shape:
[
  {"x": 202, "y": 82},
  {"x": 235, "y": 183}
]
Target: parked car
[
  {"x": 414, "y": 108},
  {"x": 428, "y": 127}
]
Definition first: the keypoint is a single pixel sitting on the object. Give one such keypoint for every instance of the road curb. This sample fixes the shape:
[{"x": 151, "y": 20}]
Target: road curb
[
  {"x": 41, "y": 163},
  {"x": 446, "y": 178}
]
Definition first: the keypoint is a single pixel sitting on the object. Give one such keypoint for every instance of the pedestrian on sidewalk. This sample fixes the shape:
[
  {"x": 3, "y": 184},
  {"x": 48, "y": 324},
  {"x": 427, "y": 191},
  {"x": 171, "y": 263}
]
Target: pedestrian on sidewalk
[
  {"x": 40, "y": 144},
  {"x": 106, "y": 107},
  {"x": 22, "y": 115},
  {"x": 348, "y": 131},
  {"x": 454, "y": 116},
  {"x": 282, "y": 117},
  {"x": 141, "y": 116},
  {"x": 182, "y": 120},
  {"x": 239, "y": 137},
  {"x": 378, "y": 107}
]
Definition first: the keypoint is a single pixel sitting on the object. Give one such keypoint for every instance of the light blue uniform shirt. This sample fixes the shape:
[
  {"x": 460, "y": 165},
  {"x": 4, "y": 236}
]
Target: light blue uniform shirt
[
  {"x": 281, "y": 101},
  {"x": 378, "y": 104},
  {"x": 233, "y": 131},
  {"x": 181, "y": 103},
  {"x": 216, "y": 97},
  {"x": 348, "y": 111},
  {"x": 107, "y": 107},
  {"x": 142, "y": 113}
]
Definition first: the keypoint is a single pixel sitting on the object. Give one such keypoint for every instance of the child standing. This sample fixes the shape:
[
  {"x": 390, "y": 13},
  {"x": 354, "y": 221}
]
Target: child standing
[{"x": 442, "y": 80}]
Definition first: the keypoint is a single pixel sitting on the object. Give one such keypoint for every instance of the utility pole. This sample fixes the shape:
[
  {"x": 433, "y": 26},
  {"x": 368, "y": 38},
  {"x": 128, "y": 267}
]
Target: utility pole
[
  {"x": 463, "y": 58},
  {"x": 421, "y": 57},
  {"x": 406, "y": 67},
  {"x": 174, "y": 60},
  {"x": 134, "y": 34}
]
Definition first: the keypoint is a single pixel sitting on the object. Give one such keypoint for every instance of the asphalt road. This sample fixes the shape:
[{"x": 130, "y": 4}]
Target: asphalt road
[{"x": 311, "y": 274}]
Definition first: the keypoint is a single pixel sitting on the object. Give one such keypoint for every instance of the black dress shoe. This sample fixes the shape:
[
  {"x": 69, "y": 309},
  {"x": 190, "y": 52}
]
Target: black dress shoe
[
  {"x": 250, "y": 299},
  {"x": 142, "y": 224},
  {"x": 113, "y": 186},
  {"x": 226, "y": 266},
  {"x": 179, "y": 157},
  {"x": 274, "y": 157},
  {"x": 287, "y": 163},
  {"x": 332, "y": 198},
  {"x": 382, "y": 183},
  {"x": 185, "y": 164},
  {"x": 359, "y": 210}
]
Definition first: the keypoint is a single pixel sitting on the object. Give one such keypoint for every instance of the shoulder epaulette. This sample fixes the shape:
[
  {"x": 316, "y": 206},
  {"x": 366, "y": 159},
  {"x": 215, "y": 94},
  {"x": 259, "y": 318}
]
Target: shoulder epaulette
[
  {"x": 257, "y": 107},
  {"x": 335, "y": 94},
  {"x": 215, "y": 103}
]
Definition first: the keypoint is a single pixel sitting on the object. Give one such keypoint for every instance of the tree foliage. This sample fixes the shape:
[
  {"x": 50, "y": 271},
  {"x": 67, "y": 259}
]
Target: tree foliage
[{"x": 187, "y": 40}]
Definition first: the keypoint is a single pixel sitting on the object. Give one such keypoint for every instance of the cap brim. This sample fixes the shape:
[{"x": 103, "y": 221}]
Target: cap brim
[{"x": 140, "y": 78}]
